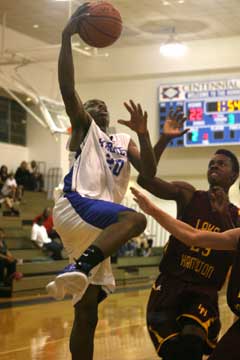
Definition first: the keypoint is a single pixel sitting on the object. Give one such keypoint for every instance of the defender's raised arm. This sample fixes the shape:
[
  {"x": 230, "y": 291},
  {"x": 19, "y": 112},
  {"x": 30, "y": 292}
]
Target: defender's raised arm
[{"x": 227, "y": 240}]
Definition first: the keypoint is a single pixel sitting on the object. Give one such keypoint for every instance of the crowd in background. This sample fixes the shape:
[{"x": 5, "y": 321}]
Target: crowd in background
[
  {"x": 12, "y": 186},
  {"x": 43, "y": 236},
  {"x": 140, "y": 246}
]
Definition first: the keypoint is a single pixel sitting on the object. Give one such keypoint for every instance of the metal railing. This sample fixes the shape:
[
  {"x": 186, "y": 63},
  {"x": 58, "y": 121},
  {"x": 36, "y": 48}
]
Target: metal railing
[{"x": 52, "y": 180}]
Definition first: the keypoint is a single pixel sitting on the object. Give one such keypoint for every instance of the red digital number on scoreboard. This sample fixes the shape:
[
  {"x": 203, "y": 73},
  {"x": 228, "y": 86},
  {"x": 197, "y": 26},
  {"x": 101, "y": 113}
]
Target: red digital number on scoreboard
[{"x": 195, "y": 114}]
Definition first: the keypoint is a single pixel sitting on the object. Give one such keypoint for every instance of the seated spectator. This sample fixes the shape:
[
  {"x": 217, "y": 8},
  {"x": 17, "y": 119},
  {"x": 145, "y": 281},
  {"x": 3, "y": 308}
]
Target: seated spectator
[
  {"x": 128, "y": 249},
  {"x": 8, "y": 202},
  {"x": 37, "y": 177},
  {"x": 40, "y": 237},
  {"x": 11, "y": 190},
  {"x": 24, "y": 177},
  {"x": 3, "y": 175},
  {"x": 8, "y": 262},
  {"x": 48, "y": 222},
  {"x": 150, "y": 244},
  {"x": 142, "y": 250}
]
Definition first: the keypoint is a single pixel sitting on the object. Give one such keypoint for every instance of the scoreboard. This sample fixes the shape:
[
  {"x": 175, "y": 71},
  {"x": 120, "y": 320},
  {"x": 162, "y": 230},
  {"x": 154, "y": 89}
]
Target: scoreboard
[{"x": 212, "y": 109}]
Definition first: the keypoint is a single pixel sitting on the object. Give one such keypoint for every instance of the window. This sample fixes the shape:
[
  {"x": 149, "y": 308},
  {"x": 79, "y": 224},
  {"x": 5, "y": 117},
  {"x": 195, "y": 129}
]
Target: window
[{"x": 12, "y": 122}]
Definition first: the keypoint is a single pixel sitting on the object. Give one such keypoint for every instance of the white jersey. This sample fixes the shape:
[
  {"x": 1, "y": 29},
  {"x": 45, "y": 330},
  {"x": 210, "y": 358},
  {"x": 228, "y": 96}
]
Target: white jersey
[{"x": 102, "y": 169}]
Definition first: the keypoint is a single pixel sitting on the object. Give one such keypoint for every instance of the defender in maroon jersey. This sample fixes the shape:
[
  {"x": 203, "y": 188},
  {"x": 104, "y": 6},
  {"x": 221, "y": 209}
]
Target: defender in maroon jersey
[
  {"x": 227, "y": 348},
  {"x": 182, "y": 312}
]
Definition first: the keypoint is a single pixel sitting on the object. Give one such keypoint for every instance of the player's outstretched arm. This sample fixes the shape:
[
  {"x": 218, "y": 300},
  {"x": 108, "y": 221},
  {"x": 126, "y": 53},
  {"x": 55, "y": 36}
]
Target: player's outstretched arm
[
  {"x": 173, "y": 128},
  {"x": 178, "y": 190},
  {"x": 74, "y": 107},
  {"x": 227, "y": 240},
  {"x": 144, "y": 161}
]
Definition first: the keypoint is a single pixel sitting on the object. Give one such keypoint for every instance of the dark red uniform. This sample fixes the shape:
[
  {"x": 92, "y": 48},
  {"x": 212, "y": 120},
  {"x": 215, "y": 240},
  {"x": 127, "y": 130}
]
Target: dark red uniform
[
  {"x": 228, "y": 346},
  {"x": 187, "y": 287}
]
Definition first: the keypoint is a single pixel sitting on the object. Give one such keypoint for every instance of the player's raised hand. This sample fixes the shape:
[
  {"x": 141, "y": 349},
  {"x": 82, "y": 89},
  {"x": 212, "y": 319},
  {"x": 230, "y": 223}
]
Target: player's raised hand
[
  {"x": 144, "y": 203},
  {"x": 173, "y": 125},
  {"x": 73, "y": 23},
  {"x": 219, "y": 200},
  {"x": 138, "y": 119}
]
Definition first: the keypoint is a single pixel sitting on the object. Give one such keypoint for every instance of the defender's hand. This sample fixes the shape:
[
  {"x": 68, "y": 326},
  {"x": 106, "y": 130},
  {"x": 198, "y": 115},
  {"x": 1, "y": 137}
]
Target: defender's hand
[
  {"x": 72, "y": 26},
  {"x": 144, "y": 203},
  {"x": 138, "y": 120},
  {"x": 173, "y": 124}
]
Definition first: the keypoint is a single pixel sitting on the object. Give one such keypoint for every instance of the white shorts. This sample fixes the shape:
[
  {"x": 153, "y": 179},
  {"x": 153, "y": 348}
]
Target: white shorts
[{"x": 79, "y": 220}]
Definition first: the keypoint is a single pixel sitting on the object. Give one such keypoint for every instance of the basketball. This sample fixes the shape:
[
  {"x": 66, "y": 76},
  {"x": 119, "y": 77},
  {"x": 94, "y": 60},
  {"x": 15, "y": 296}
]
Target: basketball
[{"x": 102, "y": 27}]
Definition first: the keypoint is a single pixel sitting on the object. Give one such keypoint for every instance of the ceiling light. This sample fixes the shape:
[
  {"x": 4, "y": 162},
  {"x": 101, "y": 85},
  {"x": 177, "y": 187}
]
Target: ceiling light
[
  {"x": 172, "y": 47},
  {"x": 35, "y": 26},
  {"x": 181, "y": 1},
  {"x": 166, "y": 3}
]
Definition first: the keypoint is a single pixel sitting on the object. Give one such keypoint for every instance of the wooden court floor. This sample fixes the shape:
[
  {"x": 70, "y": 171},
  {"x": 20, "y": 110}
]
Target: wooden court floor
[{"x": 41, "y": 331}]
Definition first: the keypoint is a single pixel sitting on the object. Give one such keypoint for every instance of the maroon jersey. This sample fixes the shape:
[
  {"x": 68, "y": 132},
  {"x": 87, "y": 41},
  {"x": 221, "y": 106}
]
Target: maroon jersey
[
  {"x": 201, "y": 266},
  {"x": 233, "y": 291}
]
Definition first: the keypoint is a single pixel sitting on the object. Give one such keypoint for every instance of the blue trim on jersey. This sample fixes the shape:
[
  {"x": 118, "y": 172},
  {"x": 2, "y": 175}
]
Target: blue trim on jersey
[
  {"x": 68, "y": 181},
  {"x": 98, "y": 213}
]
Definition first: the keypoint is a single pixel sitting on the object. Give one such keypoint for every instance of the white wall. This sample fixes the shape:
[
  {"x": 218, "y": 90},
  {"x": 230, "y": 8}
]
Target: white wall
[
  {"x": 12, "y": 155},
  {"x": 47, "y": 147}
]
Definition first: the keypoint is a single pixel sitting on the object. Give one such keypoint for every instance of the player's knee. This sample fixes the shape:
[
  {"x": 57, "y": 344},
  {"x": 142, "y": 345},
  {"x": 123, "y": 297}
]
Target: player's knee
[
  {"x": 136, "y": 221},
  {"x": 140, "y": 223}
]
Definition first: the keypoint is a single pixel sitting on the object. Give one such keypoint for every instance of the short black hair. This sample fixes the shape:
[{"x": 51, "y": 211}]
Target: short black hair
[
  {"x": 232, "y": 157},
  {"x": 91, "y": 102}
]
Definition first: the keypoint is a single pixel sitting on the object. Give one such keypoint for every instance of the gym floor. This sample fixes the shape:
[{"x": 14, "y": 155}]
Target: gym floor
[{"x": 35, "y": 328}]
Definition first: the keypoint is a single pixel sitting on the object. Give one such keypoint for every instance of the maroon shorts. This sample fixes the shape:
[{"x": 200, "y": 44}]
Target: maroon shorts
[{"x": 173, "y": 302}]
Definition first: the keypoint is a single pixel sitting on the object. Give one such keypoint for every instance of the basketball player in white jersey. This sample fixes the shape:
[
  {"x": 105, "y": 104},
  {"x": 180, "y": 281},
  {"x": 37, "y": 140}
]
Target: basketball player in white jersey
[{"x": 88, "y": 215}]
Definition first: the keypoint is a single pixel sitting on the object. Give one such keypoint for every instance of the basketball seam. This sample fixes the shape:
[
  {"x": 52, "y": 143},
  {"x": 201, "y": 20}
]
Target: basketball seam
[
  {"x": 100, "y": 31},
  {"x": 106, "y": 18}
]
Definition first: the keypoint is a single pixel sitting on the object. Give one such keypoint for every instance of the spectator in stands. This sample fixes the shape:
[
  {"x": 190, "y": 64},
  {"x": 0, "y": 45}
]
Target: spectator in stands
[
  {"x": 40, "y": 237},
  {"x": 24, "y": 177},
  {"x": 8, "y": 262},
  {"x": 8, "y": 202},
  {"x": 11, "y": 190},
  {"x": 3, "y": 175},
  {"x": 150, "y": 244},
  {"x": 37, "y": 177},
  {"x": 128, "y": 249},
  {"x": 48, "y": 222}
]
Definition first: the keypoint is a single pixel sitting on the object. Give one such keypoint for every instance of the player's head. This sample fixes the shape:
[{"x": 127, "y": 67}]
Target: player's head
[
  {"x": 99, "y": 112},
  {"x": 223, "y": 169}
]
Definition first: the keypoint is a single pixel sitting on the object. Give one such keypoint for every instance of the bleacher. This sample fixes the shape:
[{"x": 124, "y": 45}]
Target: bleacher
[{"x": 37, "y": 266}]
